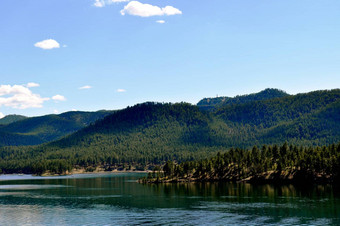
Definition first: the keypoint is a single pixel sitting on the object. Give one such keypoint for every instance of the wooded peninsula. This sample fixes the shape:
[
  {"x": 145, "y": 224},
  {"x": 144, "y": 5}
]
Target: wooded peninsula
[{"x": 274, "y": 164}]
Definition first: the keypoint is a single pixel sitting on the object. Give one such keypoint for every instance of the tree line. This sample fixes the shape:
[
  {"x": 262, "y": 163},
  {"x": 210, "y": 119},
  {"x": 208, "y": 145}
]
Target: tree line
[{"x": 238, "y": 164}]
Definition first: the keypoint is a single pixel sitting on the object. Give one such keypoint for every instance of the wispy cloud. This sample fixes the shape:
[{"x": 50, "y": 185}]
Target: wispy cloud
[
  {"x": 121, "y": 90},
  {"x": 47, "y": 44},
  {"x": 160, "y": 21},
  {"x": 136, "y": 8},
  {"x": 58, "y": 98},
  {"x": 32, "y": 84},
  {"x": 20, "y": 96},
  {"x": 85, "y": 87},
  {"x": 102, "y": 3},
  {"x": 1, "y": 115}
]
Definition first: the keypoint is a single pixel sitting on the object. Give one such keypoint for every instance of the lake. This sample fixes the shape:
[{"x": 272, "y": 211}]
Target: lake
[{"x": 116, "y": 199}]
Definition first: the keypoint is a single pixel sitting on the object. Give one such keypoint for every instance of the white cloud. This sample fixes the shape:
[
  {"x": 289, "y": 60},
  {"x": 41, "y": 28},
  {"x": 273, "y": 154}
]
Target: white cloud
[
  {"x": 32, "y": 84},
  {"x": 1, "y": 115},
  {"x": 55, "y": 112},
  {"x": 20, "y": 96},
  {"x": 74, "y": 109},
  {"x": 170, "y": 11},
  {"x": 99, "y": 3},
  {"x": 58, "y": 98},
  {"x": 121, "y": 90},
  {"x": 136, "y": 8},
  {"x": 85, "y": 87},
  {"x": 102, "y": 3},
  {"x": 160, "y": 21},
  {"x": 47, "y": 44}
]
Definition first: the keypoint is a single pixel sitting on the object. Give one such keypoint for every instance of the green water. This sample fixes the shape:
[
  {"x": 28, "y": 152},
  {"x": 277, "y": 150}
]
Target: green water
[{"x": 116, "y": 199}]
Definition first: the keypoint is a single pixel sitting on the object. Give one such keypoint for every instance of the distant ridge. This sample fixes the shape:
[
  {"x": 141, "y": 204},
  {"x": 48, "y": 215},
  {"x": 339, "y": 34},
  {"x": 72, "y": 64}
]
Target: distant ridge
[
  {"x": 38, "y": 130},
  {"x": 216, "y": 102},
  {"x": 11, "y": 118}
]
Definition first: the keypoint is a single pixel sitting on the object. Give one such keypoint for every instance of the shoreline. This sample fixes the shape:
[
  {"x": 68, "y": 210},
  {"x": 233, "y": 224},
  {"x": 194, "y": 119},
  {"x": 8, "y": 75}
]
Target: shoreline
[
  {"x": 21, "y": 176},
  {"x": 97, "y": 170},
  {"x": 271, "y": 177}
]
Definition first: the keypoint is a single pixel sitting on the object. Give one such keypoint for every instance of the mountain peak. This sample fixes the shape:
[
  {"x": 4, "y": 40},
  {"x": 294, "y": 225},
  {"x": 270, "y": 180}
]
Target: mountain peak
[
  {"x": 213, "y": 103},
  {"x": 11, "y": 118}
]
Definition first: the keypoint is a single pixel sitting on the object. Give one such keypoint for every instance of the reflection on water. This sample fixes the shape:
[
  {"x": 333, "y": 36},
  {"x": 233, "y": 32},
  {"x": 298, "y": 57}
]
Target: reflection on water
[
  {"x": 28, "y": 187},
  {"x": 111, "y": 199}
]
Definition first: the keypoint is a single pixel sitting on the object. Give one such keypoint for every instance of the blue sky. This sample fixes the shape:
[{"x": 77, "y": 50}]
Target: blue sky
[{"x": 62, "y": 55}]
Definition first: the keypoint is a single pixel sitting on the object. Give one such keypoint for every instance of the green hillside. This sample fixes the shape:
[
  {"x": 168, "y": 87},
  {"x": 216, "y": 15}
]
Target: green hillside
[
  {"x": 152, "y": 133},
  {"x": 11, "y": 118},
  {"x": 38, "y": 130},
  {"x": 153, "y": 130},
  {"x": 8, "y": 139},
  {"x": 217, "y": 102},
  {"x": 270, "y": 112},
  {"x": 142, "y": 134},
  {"x": 148, "y": 132},
  {"x": 308, "y": 119}
]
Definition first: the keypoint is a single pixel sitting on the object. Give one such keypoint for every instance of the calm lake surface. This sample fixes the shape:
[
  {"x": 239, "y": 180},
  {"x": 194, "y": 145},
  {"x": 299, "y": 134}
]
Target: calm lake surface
[{"x": 116, "y": 199}]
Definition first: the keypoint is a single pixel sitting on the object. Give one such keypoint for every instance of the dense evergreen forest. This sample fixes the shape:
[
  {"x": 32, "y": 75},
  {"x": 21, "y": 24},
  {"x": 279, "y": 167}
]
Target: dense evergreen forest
[
  {"x": 211, "y": 104},
  {"x": 16, "y": 130},
  {"x": 150, "y": 134},
  {"x": 8, "y": 119},
  {"x": 286, "y": 163}
]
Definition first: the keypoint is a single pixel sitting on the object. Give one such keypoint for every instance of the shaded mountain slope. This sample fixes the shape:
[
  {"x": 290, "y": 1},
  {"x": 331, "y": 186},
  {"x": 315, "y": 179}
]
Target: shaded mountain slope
[
  {"x": 150, "y": 131},
  {"x": 37, "y": 130},
  {"x": 8, "y": 139}
]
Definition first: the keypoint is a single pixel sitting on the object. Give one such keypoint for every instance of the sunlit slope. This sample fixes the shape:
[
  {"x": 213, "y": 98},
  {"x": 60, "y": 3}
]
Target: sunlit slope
[
  {"x": 309, "y": 119},
  {"x": 11, "y": 118},
  {"x": 218, "y": 102}
]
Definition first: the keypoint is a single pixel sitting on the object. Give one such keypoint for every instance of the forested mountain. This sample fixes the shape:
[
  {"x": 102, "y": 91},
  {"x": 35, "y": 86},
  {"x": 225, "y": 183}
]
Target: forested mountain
[
  {"x": 148, "y": 132},
  {"x": 152, "y": 133},
  {"x": 270, "y": 112},
  {"x": 10, "y": 139},
  {"x": 11, "y": 118},
  {"x": 38, "y": 130},
  {"x": 309, "y": 119},
  {"x": 217, "y": 102},
  {"x": 142, "y": 134}
]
